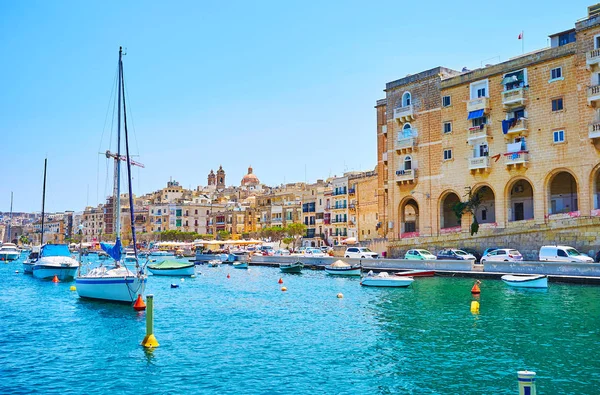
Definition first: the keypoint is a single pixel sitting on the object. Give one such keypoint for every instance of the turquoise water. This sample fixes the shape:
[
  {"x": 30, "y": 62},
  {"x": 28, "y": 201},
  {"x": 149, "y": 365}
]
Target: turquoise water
[{"x": 244, "y": 335}]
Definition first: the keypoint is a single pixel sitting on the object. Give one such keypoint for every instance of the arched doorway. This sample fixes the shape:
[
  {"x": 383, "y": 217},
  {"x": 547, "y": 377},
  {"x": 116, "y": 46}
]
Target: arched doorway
[
  {"x": 596, "y": 190},
  {"x": 448, "y": 218},
  {"x": 486, "y": 212},
  {"x": 406, "y": 99},
  {"x": 520, "y": 201},
  {"x": 562, "y": 194},
  {"x": 409, "y": 218}
]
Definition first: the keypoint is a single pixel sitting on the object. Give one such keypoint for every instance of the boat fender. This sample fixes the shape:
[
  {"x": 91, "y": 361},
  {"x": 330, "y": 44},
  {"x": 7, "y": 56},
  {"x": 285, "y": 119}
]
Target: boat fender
[{"x": 475, "y": 307}]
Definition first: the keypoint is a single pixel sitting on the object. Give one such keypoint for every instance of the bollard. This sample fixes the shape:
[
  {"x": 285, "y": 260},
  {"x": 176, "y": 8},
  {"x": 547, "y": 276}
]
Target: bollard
[
  {"x": 150, "y": 341},
  {"x": 526, "y": 382}
]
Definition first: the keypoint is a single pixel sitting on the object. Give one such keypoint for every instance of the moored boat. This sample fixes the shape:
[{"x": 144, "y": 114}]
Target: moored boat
[
  {"x": 31, "y": 259},
  {"x": 214, "y": 263},
  {"x": 341, "y": 268},
  {"x": 55, "y": 260},
  {"x": 171, "y": 268},
  {"x": 526, "y": 280},
  {"x": 415, "y": 273},
  {"x": 385, "y": 280},
  {"x": 9, "y": 252},
  {"x": 295, "y": 267},
  {"x": 240, "y": 265}
]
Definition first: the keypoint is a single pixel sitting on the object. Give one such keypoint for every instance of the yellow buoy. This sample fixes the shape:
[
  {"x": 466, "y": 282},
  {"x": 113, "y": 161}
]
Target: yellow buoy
[
  {"x": 475, "y": 307},
  {"x": 340, "y": 295},
  {"x": 72, "y": 288},
  {"x": 283, "y": 289}
]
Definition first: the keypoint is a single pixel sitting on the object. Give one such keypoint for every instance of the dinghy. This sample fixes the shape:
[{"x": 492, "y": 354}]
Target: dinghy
[
  {"x": 171, "y": 268},
  {"x": 295, "y": 267},
  {"x": 385, "y": 280},
  {"x": 526, "y": 280},
  {"x": 341, "y": 268}
]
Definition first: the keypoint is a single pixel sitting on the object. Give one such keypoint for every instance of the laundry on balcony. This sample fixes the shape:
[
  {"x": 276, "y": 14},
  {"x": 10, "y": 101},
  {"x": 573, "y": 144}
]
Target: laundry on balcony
[
  {"x": 514, "y": 147},
  {"x": 475, "y": 114},
  {"x": 507, "y": 124}
]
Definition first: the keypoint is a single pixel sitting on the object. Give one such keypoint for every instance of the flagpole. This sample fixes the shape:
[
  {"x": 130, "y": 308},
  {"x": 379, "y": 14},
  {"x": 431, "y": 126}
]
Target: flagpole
[{"x": 522, "y": 42}]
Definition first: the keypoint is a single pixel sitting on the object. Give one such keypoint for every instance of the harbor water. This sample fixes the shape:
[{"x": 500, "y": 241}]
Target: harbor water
[{"x": 244, "y": 335}]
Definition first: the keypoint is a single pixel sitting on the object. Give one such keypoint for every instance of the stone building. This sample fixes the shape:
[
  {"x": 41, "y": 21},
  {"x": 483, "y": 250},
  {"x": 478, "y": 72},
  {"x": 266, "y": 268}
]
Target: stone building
[{"x": 522, "y": 134}]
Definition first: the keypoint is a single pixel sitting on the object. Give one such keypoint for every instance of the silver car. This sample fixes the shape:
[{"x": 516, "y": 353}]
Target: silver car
[{"x": 502, "y": 255}]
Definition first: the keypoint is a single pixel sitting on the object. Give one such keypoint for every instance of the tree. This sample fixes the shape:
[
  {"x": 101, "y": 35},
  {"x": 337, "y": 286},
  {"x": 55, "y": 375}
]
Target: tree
[
  {"x": 470, "y": 206},
  {"x": 295, "y": 230},
  {"x": 223, "y": 235},
  {"x": 288, "y": 240},
  {"x": 24, "y": 239}
]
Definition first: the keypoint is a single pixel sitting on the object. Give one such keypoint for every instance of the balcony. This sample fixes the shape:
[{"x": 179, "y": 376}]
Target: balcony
[
  {"x": 351, "y": 191},
  {"x": 592, "y": 59},
  {"x": 513, "y": 98},
  {"x": 384, "y": 129},
  {"x": 384, "y": 156},
  {"x": 520, "y": 127},
  {"x": 594, "y": 130},
  {"x": 404, "y": 114},
  {"x": 352, "y": 206},
  {"x": 593, "y": 95},
  {"x": 478, "y": 132},
  {"x": 339, "y": 207},
  {"x": 481, "y": 163},
  {"x": 406, "y": 176},
  {"x": 517, "y": 159},
  {"x": 407, "y": 141},
  {"x": 481, "y": 103}
]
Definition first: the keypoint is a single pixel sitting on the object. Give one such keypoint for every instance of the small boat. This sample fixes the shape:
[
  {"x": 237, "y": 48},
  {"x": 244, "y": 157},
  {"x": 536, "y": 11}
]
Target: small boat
[
  {"x": 385, "y": 280},
  {"x": 55, "y": 260},
  {"x": 341, "y": 268},
  {"x": 171, "y": 268},
  {"x": 240, "y": 265},
  {"x": 295, "y": 267},
  {"x": 415, "y": 273},
  {"x": 159, "y": 253},
  {"x": 526, "y": 280},
  {"x": 214, "y": 263},
  {"x": 9, "y": 252}
]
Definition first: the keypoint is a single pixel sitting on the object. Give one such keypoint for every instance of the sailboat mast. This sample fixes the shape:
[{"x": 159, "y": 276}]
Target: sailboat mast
[
  {"x": 43, "y": 202},
  {"x": 117, "y": 191},
  {"x": 10, "y": 216}
]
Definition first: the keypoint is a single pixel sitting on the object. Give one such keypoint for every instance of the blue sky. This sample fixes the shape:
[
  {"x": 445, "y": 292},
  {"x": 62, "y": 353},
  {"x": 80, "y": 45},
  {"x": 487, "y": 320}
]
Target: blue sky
[{"x": 287, "y": 87}]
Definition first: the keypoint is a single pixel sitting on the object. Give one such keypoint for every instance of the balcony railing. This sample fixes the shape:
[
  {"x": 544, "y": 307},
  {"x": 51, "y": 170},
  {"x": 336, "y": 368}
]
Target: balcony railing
[
  {"x": 593, "y": 95},
  {"x": 406, "y": 176},
  {"x": 404, "y": 114},
  {"x": 339, "y": 207},
  {"x": 480, "y": 163},
  {"x": 478, "y": 132},
  {"x": 481, "y": 103},
  {"x": 513, "y": 97},
  {"x": 406, "y": 140},
  {"x": 594, "y": 130},
  {"x": 592, "y": 58},
  {"x": 520, "y": 158},
  {"x": 520, "y": 127}
]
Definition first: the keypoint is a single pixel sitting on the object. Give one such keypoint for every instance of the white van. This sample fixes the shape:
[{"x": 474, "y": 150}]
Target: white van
[{"x": 562, "y": 254}]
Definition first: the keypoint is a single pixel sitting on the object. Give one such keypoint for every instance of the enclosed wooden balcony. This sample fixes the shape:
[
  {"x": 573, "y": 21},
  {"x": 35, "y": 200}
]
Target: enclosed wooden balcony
[{"x": 513, "y": 98}]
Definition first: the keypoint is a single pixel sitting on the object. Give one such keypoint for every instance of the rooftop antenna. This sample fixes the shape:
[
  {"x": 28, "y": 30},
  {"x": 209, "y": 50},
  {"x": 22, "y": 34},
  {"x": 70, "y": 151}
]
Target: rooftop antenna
[{"x": 493, "y": 57}]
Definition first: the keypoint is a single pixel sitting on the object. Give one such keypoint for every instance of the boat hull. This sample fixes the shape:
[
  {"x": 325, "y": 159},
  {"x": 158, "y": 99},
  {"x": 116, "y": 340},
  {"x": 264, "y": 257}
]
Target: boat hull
[
  {"x": 9, "y": 256},
  {"x": 28, "y": 267},
  {"x": 397, "y": 282},
  {"x": 183, "y": 271},
  {"x": 240, "y": 265},
  {"x": 294, "y": 268},
  {"x": 63, "y": 273},
  {"x": 115, "y": 289},
  {"x": 416, "y": 273},
  {"x": 539, "y": 281},
  {"x": 352, "y": 271}
]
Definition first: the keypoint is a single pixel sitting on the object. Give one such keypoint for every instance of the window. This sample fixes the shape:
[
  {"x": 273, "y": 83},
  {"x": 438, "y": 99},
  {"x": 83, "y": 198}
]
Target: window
[
  {"x": 447, "y": 127},
  {"x": 561, "y": 253},
  {"x": 597, "y": 42},
  {"x": 407, "y": 162},
  {"x": 479, "y": 89},
  {"x": 557, "y": 104},
  {"x": 481, "y": 150},
  {"x": 481, "y": 92},
  {"x": 447, "y": 154},
  {"x": 518, "y": 113},
  {"x": 556, "y": 73},
  {"x": 406, "y": 99},
  {"x": 406, "y": 130},
  {"x": 483, "y": 215},
  {"x": 479, "y": 122},
  {"x": 566, "y": 38},
  {"x": 514, "y": 80},
  {"x": 559, "y": 136},
  {"x": 446, "y": 101}
]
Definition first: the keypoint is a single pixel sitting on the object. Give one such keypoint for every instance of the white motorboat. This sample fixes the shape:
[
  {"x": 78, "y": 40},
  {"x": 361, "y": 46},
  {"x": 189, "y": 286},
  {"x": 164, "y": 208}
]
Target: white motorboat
[
  {"x": 117, "y": 283},
  {"x": 9, "y": 252},
  {"x": 526, "y": 280},
  {"x": 214, "y": 263},
  {"x": 31, "y": 260},
  {"x": 240, "y": 265},
  {"x": 341, "y": 268},
  {"x": 55, "y": 260},
  {"x": 385, "y": 280}
]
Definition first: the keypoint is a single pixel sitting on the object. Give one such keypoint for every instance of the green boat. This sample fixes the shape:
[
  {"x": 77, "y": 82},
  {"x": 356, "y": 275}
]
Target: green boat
[
  {"x": 171, "y": 268},
  {"x": 295, "y": 267}
]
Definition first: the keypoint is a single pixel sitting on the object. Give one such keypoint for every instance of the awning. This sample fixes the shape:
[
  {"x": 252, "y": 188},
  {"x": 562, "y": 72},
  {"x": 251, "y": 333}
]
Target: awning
[{"x": 475, "y": 114}]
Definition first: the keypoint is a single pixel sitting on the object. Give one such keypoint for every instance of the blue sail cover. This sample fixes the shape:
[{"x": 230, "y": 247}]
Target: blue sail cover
[
  {"x": 55, "y": 250},
  {"x": 113, "y": 250}
]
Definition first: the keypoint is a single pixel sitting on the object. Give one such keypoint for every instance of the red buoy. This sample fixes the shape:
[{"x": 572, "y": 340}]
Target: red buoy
[
  {"x": 55, "y": 279},
  {"x": 139, "y": 304},
  {"x": 475, "y": 289},
  {"x": 280, "y": 281},
  {"x": 228, "y": 276}
]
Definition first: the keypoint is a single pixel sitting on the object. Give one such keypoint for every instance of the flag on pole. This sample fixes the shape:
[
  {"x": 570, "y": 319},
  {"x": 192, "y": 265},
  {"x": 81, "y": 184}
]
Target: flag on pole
[{"x": 521, "y": 36}]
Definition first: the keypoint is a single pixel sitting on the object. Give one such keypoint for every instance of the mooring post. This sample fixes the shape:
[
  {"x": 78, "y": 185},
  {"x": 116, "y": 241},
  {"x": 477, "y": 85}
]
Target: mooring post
[
  {"x": 526, "y": 382},
  {"x": 150, "y": 341}
]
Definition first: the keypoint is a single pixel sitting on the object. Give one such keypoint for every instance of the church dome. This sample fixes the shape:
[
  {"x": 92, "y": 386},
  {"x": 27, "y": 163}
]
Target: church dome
[{"x": 250, "y": 179}]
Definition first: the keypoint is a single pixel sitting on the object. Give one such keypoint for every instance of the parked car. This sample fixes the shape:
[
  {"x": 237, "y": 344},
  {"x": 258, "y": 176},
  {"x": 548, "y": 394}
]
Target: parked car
[
  {"x": 281, "y": 252},
  {"x": 266, "y": 250},
  {"x": 419, "y": 255},
  {"x": 502, "y": 255},
  {"x": 473, "y": 252},
  {"x": 488, "y": 250},
  {"x": 562, "y": 254},
  {"x": 597, "y": 257},
  {"x": 359, "y": 252},
  {"x": 453, "y": 253},
  {"x": 314, "y": 252}
]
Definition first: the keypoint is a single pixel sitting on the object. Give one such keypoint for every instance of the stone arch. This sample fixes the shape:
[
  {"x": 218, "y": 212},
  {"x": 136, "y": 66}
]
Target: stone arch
[
  {"x": 486, "y": 212},
  {"x": 447, "y": 217},
  {"x": 406, "y": 99},
  {"x": 595, "y": 187},
  {"x": 408, "y": 217},
  {"x": 519, "y": 198},
  {"x": 562, "y": 192}
]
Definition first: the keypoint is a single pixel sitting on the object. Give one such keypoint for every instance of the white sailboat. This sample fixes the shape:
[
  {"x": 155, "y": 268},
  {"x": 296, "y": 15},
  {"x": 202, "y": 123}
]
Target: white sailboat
[{"x": 116, "y": 282}]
